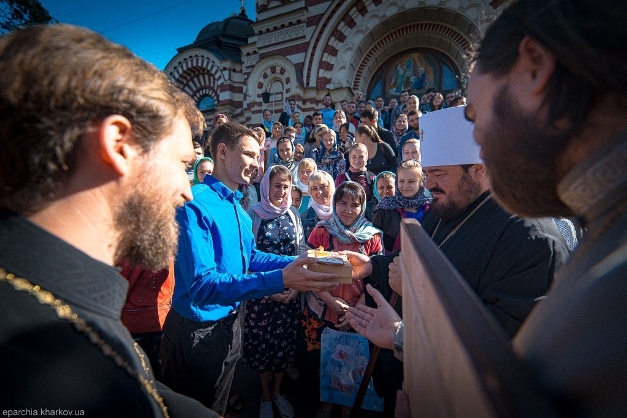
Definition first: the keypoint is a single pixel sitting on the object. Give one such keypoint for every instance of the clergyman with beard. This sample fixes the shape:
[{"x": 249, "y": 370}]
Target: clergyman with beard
[
  {"x": 508, "y": 261},
  {"x": 78, "y": 141}
]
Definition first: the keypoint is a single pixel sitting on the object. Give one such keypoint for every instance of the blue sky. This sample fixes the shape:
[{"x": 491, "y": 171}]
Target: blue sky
[{"x": 152, "y": 29}]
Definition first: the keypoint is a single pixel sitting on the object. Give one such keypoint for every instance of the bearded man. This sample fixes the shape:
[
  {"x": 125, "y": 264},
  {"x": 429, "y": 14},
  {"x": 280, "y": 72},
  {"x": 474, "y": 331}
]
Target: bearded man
[{"x": 92, "y": 170}]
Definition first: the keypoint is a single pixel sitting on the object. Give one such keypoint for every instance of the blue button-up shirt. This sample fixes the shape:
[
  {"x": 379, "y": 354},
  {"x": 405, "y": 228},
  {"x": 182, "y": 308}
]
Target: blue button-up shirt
[{"x": 217, "y": 264}]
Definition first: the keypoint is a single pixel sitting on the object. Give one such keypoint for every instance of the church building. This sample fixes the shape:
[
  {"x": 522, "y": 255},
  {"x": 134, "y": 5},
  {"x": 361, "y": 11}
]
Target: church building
[{"x": 303, "y": 49}]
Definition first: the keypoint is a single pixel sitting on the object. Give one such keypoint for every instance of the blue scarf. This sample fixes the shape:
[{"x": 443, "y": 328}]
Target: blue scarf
[
  {"x": 399, "y": 201},
  {"x": 359, "y": 231}
]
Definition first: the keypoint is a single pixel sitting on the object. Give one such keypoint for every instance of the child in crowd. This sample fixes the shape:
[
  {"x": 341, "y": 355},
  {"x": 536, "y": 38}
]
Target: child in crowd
[
  {"x": 329, "y": 158},
  {"x": 297, "y": 197},
  {"x": 203, "y": 166},
  {"x": 271, "y": 323},
  {"x": 321, "y": 188},
  {"x": 347, "y": 137},
  {"x": 347, "y": 229},
  {"x": 411, "y": 150},
  {"x": 299, "y": 152},
  {"x": 409, "y": 202},
  {"x": 301, "y": 134},
  {"x": 285, "y": 156},
  {"x": 306, "y": 167},
  {"x": 357, "y": 158},
  {"x": 384, "y": 185}
]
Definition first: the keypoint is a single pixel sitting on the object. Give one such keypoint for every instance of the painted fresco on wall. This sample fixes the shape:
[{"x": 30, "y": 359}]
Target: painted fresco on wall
[{"x": 416, "y": 70}]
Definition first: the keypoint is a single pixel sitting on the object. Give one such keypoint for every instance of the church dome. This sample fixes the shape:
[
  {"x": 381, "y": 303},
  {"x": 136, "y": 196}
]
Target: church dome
[
  {"x": 233, "y": 26},
  {"x": 225, "y": 37}
]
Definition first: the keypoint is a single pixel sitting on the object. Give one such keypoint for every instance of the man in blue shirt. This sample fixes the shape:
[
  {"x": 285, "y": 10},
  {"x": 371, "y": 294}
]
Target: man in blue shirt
[
  {"x": 327, "y": 111},
  {"x": 216, "y": 267}
]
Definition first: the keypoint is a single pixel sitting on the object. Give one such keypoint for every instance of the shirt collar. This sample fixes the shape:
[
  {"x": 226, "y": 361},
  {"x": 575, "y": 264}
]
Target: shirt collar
[{"x": 223, "y": 192}]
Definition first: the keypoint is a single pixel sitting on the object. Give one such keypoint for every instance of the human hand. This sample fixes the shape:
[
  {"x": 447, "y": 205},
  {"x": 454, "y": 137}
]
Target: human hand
[
  {"x": 360, "y": 263},
  {"x": 343, "y": 324},
  {"x": 337, "y": 305},
  {"x": 292, "y": 294},
  {"x": 280, "y": 297},
  {"x": 378, "y": 325},
  {"x": 296, "y": 276},
  {"x": 396, "y": 276}
]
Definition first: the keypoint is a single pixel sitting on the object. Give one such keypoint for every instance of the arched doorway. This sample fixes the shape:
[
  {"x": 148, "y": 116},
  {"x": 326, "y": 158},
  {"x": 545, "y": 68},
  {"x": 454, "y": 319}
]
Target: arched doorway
[{"x": 417, "y": 70}]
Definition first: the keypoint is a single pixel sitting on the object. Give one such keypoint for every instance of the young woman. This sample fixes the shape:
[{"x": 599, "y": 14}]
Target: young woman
[
  {"x": 285, "y": 156},
  {"x": 266, "y": 124},
  {"x": 346, "y": 230},
  {"x": 339, "y": 119},
  {"x": 400, "y": 128},
  {"x": 271, "y": 324},
  {"x": 329, "y": 158},
  {"x": 321, "y": 189},
  {"x": 203, "y": 166},
  {"x": 357, "y": 172},
  {"x": 380, "y": 155},
  {"x": 346, "y": 137},
  {"x": 409, "y": 202},
  {"x": 306, "y": 168}
]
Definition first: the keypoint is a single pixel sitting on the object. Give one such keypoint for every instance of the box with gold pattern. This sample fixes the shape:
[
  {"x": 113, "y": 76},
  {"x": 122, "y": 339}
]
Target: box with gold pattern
[{"x": 331, "y": 262}]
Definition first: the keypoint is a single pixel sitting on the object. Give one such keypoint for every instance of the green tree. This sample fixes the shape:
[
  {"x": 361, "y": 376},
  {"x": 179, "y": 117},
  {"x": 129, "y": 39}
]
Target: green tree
[{"x": 15, "y": 14}]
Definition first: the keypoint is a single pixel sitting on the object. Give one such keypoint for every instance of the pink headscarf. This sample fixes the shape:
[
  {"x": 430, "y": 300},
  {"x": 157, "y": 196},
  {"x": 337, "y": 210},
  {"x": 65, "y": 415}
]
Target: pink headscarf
[{"x": 265, "y": 209}]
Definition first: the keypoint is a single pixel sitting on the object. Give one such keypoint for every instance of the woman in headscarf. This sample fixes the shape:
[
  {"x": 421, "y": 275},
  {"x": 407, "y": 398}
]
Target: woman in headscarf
[
  {"x": 347, "y": 229},
  {"x": 321, "y": 188},
  {"x": 271, "y": 323}
]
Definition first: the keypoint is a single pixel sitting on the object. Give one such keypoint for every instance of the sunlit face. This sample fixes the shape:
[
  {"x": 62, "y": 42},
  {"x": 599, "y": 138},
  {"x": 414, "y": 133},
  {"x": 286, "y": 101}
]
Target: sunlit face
[
  {"x": 361, "y": 107},
  {"x": 299, "y": 128},
  {"x": 328, "y": 140},
  {"x": 348, "y": 209},
  {"x": 408, "y": 181},
  {"x": 452, "y": 188},
  {"x": 317, "y": 120},
  {"x": 267, "y": 115},
  {"x": 411, "y": 151},
  {"x": 144, "y": 215},
  {"x": 326, "y": 101},
  {"x": 295, "y": 117},
  {"x": 352, "y": 108},
  {"x": 358, "y": 158},
  {"x": 320, "y": 192},
  {"x": 296, "y": 199},
  {"x": 437, "y": 99},
  {"x": 386, "y": 186},
  {"x": 240, "y": 164},
  {"x": 379, "y": 102},
  {"x": 204, "y": 168},
  {"x": 339, "y": 119},
  {"x": 412, "y": 103},
  {"x": 304, "y": 173},
  {"x": 344, "y": 105},
  {"x": 401, "y": 122},
  {"x": 358, "y": 95},
  {"x": 280, "y": 189},
  {"x": 198, "y": 152},
  {"x": 277, "y": 131},
  {"x": 285, "y": 151}
]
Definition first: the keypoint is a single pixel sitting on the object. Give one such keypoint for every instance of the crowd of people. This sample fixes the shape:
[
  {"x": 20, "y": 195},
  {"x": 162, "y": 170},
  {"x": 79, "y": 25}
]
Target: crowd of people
[{"x": 126, "y": 292}]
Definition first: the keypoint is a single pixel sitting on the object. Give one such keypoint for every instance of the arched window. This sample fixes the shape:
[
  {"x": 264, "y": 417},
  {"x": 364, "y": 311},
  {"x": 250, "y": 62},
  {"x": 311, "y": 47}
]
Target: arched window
[
  {"x": 206, "y": 103},
  {"x": 416, "y": 70}
]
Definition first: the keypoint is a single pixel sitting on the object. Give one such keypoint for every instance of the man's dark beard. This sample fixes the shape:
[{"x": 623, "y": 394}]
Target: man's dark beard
[
  {"x": 148, "y": 230},
  {"x": 457, "y": 201},
  {"x": 521, "y": 159}
]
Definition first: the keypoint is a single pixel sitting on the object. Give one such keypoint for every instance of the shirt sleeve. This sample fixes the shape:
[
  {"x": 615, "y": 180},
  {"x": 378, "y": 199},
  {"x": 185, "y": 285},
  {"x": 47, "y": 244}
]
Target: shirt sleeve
[{"x": 198, "y": 271}]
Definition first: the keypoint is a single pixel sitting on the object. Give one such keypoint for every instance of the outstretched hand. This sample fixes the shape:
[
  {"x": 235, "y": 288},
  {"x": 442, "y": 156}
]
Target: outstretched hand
[
  {"x": 378, "y": 325},
  {"x": 361, "y": 264},
  {"x": 296, "y": 276}
]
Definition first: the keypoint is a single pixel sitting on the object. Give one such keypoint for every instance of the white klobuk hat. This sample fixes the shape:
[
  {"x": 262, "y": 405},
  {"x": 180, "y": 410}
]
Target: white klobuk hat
[{"x": 446, "y": 138}]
